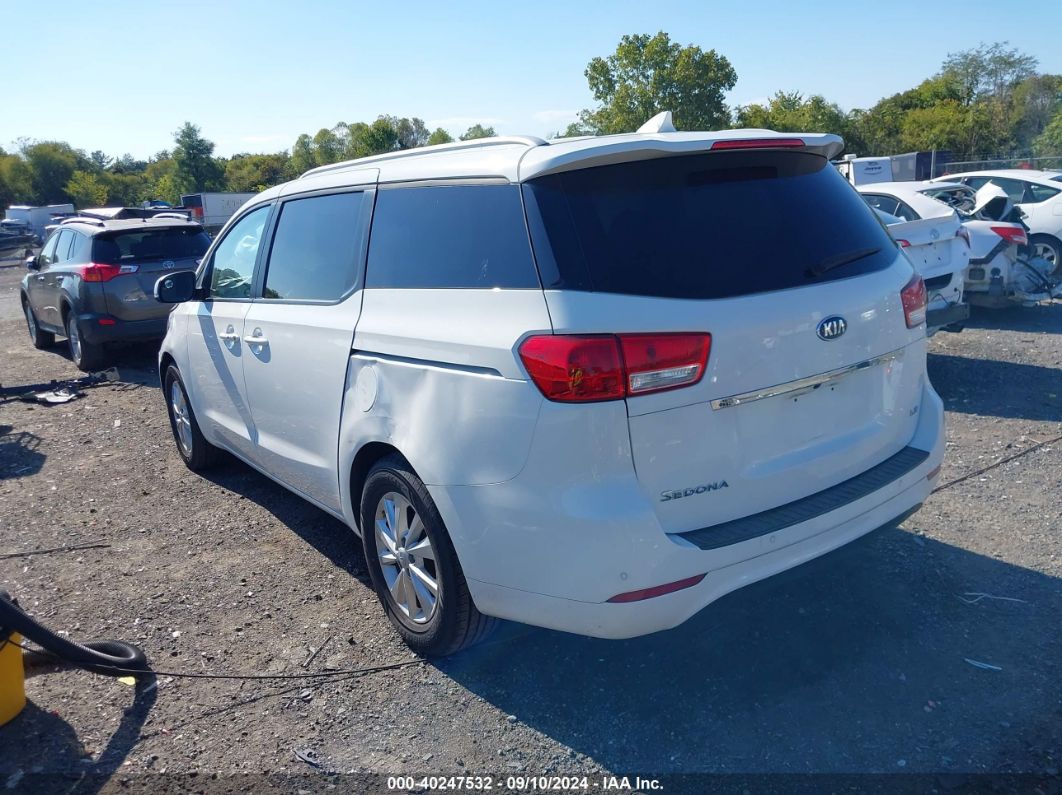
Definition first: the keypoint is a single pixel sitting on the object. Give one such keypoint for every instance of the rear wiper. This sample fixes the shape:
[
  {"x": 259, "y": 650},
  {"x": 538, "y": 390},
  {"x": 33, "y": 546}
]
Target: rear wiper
[{"x": 838, "y": 260}]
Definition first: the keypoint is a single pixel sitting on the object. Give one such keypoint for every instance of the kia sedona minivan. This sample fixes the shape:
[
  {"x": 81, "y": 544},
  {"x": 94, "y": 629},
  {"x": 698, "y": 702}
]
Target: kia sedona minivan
[{"x": 589, "y": 384}]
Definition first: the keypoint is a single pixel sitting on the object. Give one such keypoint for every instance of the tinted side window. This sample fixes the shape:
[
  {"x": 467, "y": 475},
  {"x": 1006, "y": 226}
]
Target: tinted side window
[
  {"x": 232, "y": 269},
  {"x": 452, "y": 236},
  {"x": 48, "y": 252},
  {"x": 886, "y": 204},
  {"x": 1036, "y": 193},
  {"x": 62, "y": 246},
  {"x": 316, "y": 253},
  {"x": 80, "y": 248}
]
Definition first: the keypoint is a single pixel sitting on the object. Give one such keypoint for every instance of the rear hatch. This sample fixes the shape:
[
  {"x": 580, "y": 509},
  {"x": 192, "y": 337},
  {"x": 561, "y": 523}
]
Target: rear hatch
[
  {"x": 143, "y": 255},
  {"x": 933, "y": 245},
  {"x": 764, "y": 250}
]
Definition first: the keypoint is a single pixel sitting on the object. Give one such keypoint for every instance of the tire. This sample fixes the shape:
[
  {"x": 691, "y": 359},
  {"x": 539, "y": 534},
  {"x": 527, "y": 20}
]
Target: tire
[
  {"x": 86, "y": 355},
  {"x": 197, "y": 453},
  {"x": 1048, "y": 248},
  {"x": 452, "y": 622},
  {"x": 41, "y": 339}
]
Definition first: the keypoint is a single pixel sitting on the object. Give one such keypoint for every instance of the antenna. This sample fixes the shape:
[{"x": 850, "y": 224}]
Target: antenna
[{"x": 660, "y": 123}]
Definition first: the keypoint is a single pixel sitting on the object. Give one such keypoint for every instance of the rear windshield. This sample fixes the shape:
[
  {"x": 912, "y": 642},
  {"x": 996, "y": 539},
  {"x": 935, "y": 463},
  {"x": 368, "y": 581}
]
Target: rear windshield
[
  {"x": 703, "y": 226},
  {"x": 147, "y": 244}
]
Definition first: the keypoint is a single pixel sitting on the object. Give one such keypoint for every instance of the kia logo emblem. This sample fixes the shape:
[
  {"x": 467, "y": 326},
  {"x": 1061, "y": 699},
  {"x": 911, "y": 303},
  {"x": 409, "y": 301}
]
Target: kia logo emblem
[{"x": 831, "y": 328}]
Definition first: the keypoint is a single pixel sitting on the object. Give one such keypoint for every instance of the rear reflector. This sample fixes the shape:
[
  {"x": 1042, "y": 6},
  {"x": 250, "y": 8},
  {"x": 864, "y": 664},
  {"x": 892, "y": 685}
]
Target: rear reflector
[
  {"x": 657, "y": 590},
  {"x": 914, "y": 299},
  {"x": 106, "y": 321},
  {"x": 759, "y": 143},
  {"x": 1012, "y": 234},
  {"x": 579, "y": 368}
]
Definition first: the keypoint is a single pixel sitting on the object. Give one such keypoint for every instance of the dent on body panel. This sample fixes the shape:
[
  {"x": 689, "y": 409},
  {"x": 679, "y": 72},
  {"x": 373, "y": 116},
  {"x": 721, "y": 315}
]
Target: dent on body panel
[{"x": 454, "y": 427}]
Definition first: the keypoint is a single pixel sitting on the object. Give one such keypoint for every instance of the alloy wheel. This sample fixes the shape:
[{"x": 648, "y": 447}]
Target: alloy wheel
[
  {"x": 407, "y": 558},
  {"x": 74, "y": 337},
  {"x": 1047, "y": 252},
  {"x": 182, "y": 422}
]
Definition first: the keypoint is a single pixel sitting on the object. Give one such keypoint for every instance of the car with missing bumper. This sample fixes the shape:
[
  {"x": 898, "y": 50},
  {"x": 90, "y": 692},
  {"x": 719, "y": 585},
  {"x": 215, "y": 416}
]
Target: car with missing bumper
[
  {"x": 93, "y": 282},
  {"x": 552, "y": 382}
]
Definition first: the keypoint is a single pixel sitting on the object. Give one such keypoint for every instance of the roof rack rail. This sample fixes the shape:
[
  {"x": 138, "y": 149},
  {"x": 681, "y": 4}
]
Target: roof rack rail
[
  {"x": 180, "y": 216},
  {"x": 81, "y": 219},
  {"x": 501, "y": 140}
]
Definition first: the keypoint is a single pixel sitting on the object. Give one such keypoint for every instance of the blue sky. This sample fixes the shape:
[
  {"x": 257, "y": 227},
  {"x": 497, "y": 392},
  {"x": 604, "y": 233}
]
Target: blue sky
[{"x": 254, "y": 75}]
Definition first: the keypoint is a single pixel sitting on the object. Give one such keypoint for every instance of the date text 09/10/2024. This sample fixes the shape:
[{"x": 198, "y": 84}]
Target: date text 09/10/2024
[{"x": 523, "y": 783}]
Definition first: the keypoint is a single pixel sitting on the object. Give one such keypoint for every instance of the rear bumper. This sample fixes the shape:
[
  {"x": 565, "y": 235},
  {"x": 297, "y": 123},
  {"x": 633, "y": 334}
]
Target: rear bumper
[
  {"x": 552, "y": 556},
  {"x": 98, "y": 328}
]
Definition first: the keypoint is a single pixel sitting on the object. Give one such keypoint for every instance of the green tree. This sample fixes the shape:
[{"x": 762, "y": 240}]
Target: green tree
[
  {"x": 440, "y": 136},
  {"x": 51, "y": 165},
  {"x": 87, "y": 189},
  {"x": 302, "y": 156},
  {"x": 1049, "y": 142},
  {"x": 254, "y": 173},
  {"x": 944, "y": 125},
  {"x": 195, "y": 167},
  {"x": 16, "y": 181},
  {"x": 478, "y": 131},
  {"x": 650, "y": 74}
]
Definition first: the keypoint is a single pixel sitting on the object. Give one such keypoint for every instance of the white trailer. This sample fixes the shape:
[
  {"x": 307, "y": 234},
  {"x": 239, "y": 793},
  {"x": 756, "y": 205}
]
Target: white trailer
[
  {"x": 212, "y": 210},
  {"x": 37, "y": 218}
]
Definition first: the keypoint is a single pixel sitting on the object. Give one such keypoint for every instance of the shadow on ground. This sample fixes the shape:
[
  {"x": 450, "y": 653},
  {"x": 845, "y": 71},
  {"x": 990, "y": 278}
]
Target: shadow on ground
[
  {"x": 821, "y": 668},
  {"x": 990, "y": 387},
  {"x": 20, "y": 454},
  {"x": 83, "y": 773},
  {"x": 329, "y": 536},
  {"x": 1040, "y": 318}
]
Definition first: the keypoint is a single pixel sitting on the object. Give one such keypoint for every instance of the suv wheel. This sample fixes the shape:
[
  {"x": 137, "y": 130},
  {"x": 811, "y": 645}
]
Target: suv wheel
[
  {"x": 413, "y": 566},
  {"x": 197, "y": 452},
  {"x": 84, "y": 354},
  {"x": 40, "y": 339}
]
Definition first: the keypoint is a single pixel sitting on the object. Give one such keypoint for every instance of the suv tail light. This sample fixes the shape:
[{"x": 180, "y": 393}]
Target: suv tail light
[
  {"x": 580, "y": 368},
  {"x": 1012, "y": 234},
  {"x": 913, "y": 296},
  {"x": 100, "y": 272}
]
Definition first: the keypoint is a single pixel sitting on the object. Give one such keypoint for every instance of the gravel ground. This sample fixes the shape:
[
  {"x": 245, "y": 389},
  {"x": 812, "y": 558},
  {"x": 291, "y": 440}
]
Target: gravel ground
[{"x": 858, "y": 662}]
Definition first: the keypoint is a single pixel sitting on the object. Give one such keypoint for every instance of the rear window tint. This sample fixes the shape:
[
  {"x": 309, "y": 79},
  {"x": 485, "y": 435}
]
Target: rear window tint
[
  {"x": 450, "y": 236},
  {"x": 703, "y": 226},
  {"x": 150, "y": 244}
]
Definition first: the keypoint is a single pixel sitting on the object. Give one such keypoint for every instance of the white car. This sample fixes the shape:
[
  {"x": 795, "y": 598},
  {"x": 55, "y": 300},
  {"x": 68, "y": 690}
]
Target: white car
[
  {"x": 933, "y": 238},
  {"x": 1037, "y": 195},
  {"x": 555, "y": 382},
  {"x": 1001, "y": 272}
]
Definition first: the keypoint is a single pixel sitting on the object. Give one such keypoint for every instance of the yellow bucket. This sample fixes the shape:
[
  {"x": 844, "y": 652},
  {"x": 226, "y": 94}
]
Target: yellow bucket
[{"x": 12, "y": 679}]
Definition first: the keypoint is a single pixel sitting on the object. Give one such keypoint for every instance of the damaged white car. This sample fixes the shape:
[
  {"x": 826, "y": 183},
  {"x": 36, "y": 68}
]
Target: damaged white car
[
  {"x": 1004, "y": 269},
  {"x": 934, "y": 239}
]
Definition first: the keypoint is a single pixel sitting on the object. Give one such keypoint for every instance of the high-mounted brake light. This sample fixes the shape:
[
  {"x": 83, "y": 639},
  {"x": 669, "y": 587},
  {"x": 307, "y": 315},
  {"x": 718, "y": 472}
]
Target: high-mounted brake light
[
  {"x": 913, "y": 297},
  {"x": 579, "y": 368},
  {"x": 1012, "y": 234},
  {"x": 758, "y": 143}
]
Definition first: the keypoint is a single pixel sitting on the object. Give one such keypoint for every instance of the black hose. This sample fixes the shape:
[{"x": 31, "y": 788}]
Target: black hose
[{"x": 108, "y": 657}]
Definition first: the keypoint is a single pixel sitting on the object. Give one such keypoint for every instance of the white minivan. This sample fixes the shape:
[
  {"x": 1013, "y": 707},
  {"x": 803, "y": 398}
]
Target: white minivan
[{"x": 591, "y": 384}]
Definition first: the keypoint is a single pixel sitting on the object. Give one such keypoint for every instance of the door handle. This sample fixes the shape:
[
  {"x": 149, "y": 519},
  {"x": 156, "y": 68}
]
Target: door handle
[
  {"x": 229, "y": 335},
  {"x": 256, "y": 338}
]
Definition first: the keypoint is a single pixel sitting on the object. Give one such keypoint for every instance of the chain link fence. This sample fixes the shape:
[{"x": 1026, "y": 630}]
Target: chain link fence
[{"x": 944, "y": 165}]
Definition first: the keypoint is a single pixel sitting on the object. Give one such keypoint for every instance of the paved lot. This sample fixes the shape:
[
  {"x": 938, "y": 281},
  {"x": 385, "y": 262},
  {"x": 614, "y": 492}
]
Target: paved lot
[{"x": 857, "y": 662}]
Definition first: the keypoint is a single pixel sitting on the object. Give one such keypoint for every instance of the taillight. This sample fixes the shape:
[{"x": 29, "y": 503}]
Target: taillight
[
  {"x": 1012, "y": 234},
  {"x": 98, "y": 272},
  {"x": 758, "y": 143},
  {"x": 578, "y": 368},
  {"x": 913, "y": 296},
  {"x": 903, "y": 243}
]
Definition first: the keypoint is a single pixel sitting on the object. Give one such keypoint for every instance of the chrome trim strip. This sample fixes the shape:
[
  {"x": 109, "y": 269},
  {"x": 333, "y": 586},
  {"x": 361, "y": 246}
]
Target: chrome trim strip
[{"x": 804, "y": 385}]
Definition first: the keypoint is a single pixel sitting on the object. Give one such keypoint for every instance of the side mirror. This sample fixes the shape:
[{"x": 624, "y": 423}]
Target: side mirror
[
  {"x": 32, "y": 264},
  {"x": 175, "y": 288}
]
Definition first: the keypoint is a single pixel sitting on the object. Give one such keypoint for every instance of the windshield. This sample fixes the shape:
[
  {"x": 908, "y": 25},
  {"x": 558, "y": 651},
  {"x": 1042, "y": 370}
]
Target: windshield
[{"x": 703, "y": 226}]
